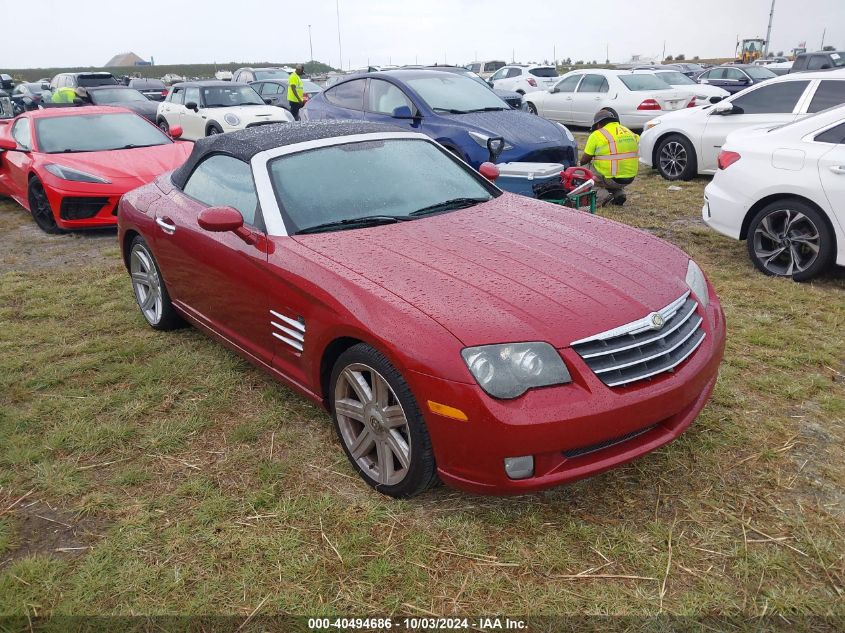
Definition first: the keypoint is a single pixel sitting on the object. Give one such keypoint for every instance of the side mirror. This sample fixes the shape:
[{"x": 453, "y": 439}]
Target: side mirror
[
  {"x": 268, "y": 101},
  {"x": 191, "y": 105},
  {"x": 553, "y": 89},
  {"x": 7, "y": 143},
  {"x": 723, "y": 107},
  {"x": 402, "y": 112},
  {"x": 175, "y": 131},
  {"x": 745, "y": 81},
  {"x": 715, "y": 99},
  {"x": 704, "y": 81},
  {"x": 489, "y": 171},
  {"x": 45, "y": 86},
  {"x": 495, "y": 146},
  {"x": 220, "y": 219}
]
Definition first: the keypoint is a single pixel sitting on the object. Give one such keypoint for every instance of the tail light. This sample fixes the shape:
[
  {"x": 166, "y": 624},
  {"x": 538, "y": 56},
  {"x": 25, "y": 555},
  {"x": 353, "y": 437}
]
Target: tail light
[
  {"x": 532, "y": 83},
  {"x": 691, "y": 103},
  {"x": 726, "y": 159},
  {"x": 164, "y": 93},
  {"x": 649, "y": 104},
  {"x": 305, "y": 98}
]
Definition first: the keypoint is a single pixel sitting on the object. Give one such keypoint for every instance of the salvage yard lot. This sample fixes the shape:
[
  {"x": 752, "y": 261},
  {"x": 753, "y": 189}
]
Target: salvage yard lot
[{"x": 162, "y": 474}]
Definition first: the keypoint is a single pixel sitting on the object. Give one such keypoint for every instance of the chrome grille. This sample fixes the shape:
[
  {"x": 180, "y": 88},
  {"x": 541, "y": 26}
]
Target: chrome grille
[{"x": 655, "y": 344}]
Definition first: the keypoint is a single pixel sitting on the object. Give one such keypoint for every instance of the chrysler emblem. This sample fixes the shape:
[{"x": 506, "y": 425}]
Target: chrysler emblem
[{"x": 657, "y": 321}]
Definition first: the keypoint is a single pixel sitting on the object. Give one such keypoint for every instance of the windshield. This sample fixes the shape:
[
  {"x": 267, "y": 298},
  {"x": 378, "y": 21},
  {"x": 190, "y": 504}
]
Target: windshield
[
  {"x": 638, "y": 83},
  {"x": 370, "y": 178},
  {"x": 228, "y": 96},
  {"x": 90, "y": 81},
  {"x": 759, "y": 72},
  {"x": 148, "y": 84},
  {"x": 96, "y": 133},
  {"x": 674, "y": 78},
  {"x": 271, "y": 73},
  {"x": 543, "y": 72},
  {"x": 446, "y": 92},
  {"x": 310, "y": 86},
  {"x": 116, "y": 95}
]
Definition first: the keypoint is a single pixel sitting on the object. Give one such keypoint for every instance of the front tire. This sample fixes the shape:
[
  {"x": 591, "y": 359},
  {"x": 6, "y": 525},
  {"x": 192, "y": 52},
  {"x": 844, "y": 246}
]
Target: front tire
[
  {"x": 380, "y": 425},
  {"x": 213, "y": 129},
  {"x": 532, "y": 109},
  {"x": 790, "y": 238},
  {"x": 39, "y": 206},
  {"x": 164, "y": 126},
  {"x": 675, "y": 158},
  {"x": 148, "y": 285}
]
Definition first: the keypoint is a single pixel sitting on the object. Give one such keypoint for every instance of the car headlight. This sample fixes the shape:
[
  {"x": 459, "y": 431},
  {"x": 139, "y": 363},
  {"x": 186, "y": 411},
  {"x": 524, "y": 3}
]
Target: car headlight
[
  {"x": 509, "y": 370},
  {"x": 697, "y": 283},
  {"x": 482, "y": 139},
  {"x": 565, "y": 131},
  {"x": 68, "y": 173},
  {"x": 232, "y": 119},
  {"x": 651, "y": 124}
]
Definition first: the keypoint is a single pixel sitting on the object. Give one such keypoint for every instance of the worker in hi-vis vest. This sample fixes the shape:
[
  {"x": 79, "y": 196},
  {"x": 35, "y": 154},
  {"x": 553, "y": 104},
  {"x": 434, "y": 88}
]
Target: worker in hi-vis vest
[
  {"x": 613, "y": 151},
  {"x": 296, "y": 96}
]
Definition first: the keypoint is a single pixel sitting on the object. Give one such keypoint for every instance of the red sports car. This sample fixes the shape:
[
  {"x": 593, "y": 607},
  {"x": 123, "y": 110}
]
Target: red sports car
[
  {"x": 498, "y": 343},
  {"x": 69, "y": 166}
]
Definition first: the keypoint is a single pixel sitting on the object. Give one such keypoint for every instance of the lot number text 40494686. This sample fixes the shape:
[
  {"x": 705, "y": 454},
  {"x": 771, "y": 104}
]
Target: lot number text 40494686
[{"x": 417, "y": 624}]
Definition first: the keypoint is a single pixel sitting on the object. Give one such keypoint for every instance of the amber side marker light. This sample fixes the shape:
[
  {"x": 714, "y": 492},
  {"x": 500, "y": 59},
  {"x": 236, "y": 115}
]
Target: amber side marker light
[{"x": 447, "y": 411}]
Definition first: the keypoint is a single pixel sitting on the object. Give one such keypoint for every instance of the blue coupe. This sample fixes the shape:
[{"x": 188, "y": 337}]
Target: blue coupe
[{"x": 459, "y": 113}]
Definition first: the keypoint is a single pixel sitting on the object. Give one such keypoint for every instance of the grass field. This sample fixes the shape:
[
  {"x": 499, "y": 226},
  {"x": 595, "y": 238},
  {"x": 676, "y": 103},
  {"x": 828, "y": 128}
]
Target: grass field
[{"x": 143, "y": 472}]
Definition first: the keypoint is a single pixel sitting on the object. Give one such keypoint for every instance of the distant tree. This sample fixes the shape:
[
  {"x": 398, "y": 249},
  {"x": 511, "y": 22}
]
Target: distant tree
[
  {"x": 695, "y": 59},
  {"x": 780, "y": 54},
  {"x": 680, "y": 57},
  {"x": 568, "y": 61},
  {"x": 580, "y": 62},
  {"x": 594, "y": 62},
  {"x": 669, "y": 58}
]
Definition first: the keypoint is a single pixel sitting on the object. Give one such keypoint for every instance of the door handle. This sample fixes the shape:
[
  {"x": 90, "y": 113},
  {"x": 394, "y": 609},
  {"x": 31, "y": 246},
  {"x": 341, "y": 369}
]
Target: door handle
[
  {"x": 838, "y": 169},
  {"x": 165, "y": 226}
]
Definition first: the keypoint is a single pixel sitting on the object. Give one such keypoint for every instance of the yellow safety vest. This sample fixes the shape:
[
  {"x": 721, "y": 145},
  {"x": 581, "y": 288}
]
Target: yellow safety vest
[
  {"x": 64, "y": 95},
  {"x": 616, "y": 152},
  {"x": 294, "y": 88}
]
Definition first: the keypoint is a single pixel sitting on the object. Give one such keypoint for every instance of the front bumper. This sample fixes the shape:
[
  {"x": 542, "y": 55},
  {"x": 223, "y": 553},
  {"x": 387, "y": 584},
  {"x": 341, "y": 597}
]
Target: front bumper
[
  {"x": 77, "y": 209},
  {"x": 724, "y": 209},
  {"x": 646, "y": 145},
  {"x": 572, "y": 431}
]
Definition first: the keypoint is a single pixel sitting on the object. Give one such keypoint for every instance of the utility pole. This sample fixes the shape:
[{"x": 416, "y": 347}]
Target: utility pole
[
  {"x": 821, "y": 48},
  {"x": 339, "y": 46},
  {"x": 769, "y": 31},
  {"x": 607, "y": 54},
  {"x": 554, "y": 55},
  {"x": 513, "y": 56},
  {"x": 310, "y": 43},
  {"x": 663, "y": 57}
]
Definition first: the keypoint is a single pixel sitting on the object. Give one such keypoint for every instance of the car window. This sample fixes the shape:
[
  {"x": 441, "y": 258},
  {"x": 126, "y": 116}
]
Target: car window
[
  {"x": 543, "y": 72},
  {"x": 568, "y": 84},
  {"x": 272, "y": 89},
  {"x": 733, "y": 74},
  {"x": 349, "y": 94},
  {"x": 759, "y": 72},
  {"x": 454, "y": 94},
  {"x": 22, "y": 134},
  {"x": 223, "y": 181},
  {"x": 476, "y": 68},
  {"x": 271, "y": 73},
  {"x": 835, "y": 135},
  {"x": 674, "y": 78},
  {"x": 717, "y": 73},
  {"x": 817, "y": 61},
  {"x": 593, "y": 83},
  {"x": 96, "y": 133},
  {"x": 491, "y": 66},
  {"x": 514, "y": 72},
  {"x": 773, "y": 98},
  {"x": 382, "y": 177},
  {"x": 383, "y": 97},
  {"x": 643, "y": 82},
  {"x": 499, "y": 74},
  {"x": 192, "y": 95},
  {"x": 829, "y": 93},
  {"x": 177, "y": 96}
]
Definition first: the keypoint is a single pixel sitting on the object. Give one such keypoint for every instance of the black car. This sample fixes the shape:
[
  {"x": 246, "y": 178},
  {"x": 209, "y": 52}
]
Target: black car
[
  {"x": 513, "y": 99},
  {"x": 275, "y": 91},
  {"x": 6, "y": 82},
  {"x": 690, "y": 70},
  {"x": 735, "y": 77},
  {"x": 820, "y": 60},
  {"x": 124, "y": 97},
  {"x": 152, "y": 89},
  {"x": 28, "y": 96}
]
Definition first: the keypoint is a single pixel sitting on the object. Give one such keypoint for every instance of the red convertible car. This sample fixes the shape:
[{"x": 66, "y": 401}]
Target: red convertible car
[
  {"x": 454, "y": 332},
  {"x": 69, "y": 166}
]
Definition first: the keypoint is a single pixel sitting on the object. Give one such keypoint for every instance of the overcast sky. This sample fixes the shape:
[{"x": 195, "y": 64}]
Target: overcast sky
[{"x": 63, "y": 33}]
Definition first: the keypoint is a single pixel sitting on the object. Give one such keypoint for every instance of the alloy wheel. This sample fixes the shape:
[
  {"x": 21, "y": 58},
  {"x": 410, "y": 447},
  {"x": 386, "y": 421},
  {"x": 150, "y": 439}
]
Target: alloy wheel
[
  {"x": 673, "y": 159},
  {"x": 786, "y": 242},
  {"x": 532, "y": 108},
  {"x": 373, "y": 424},
  {"x": 40, "y": 208},
  {"x": 146, "y": 283}
]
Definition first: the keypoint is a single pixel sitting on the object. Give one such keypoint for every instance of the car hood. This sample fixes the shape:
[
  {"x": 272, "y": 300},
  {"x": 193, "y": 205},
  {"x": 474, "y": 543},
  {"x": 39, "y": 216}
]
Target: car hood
[
  {"x": 515, "y": 269},
  {"x": 146, "y": 109},
  {"x": 249, "y": 113},
  {"x": 516, "y": 127},
  {"x": 127, "y": 166},
  {"x": 705, "y": 90}
]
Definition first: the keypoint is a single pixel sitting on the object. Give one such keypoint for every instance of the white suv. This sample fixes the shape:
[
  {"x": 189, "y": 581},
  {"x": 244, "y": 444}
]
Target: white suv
[
  {"x": 204, "y": 108},
  {"x": 522, "y": 79}
]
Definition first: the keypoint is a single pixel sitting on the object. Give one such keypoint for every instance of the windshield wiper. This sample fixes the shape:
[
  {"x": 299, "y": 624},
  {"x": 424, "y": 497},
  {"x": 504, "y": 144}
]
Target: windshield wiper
[
  {"x": 448, "y": 205},
  {"x": 363, "y": 221},
  {"x": 133, "y": 146},
  {"x": 488, "y": 109},
  {"x": 71, "y": 151},
  {"x": 449, "y": 110}
]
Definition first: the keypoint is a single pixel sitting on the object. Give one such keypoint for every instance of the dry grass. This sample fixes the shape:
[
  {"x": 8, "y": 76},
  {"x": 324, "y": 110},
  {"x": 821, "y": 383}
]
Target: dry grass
[{"x": 192, "y": 483}]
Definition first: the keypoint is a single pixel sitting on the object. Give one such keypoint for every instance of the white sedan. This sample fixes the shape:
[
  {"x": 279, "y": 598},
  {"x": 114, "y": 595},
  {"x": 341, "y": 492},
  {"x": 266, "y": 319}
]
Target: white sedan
[
  {"x": 782, "y": 190},
  {"x": 682, "y": 144},
  {"x": 580, "y": 94},
  {"x": 205, "y": 108},
  {"x": 702, "y": 93}
]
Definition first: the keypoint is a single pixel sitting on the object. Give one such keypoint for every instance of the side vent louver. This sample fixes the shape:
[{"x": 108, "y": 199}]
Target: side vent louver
[{"x": 289, "y": 331}]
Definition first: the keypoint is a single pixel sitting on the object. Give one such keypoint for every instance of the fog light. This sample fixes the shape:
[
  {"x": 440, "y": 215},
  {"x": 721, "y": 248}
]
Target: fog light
[{"x": 519, "y": 467}]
